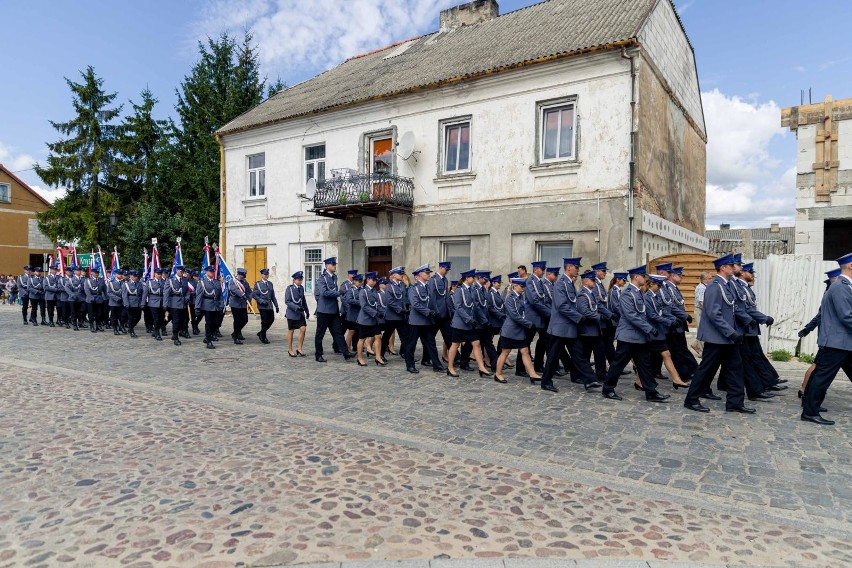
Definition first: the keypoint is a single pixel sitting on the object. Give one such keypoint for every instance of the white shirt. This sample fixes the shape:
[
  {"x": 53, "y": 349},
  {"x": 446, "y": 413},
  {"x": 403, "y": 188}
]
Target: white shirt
[{"x": 699, "y": 294}]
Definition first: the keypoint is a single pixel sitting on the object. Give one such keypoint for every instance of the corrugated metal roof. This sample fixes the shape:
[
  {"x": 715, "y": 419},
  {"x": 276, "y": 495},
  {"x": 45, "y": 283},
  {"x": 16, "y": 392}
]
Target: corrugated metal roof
[{"x": 551, "y": 29}]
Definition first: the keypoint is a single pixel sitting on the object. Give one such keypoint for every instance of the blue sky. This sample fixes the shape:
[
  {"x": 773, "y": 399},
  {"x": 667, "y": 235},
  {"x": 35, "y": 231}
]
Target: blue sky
[{"x": 754, "y": 57}]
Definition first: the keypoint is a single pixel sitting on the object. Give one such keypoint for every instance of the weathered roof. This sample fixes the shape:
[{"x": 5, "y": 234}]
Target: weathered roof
[
  {"x": 541, "y": 32},
  {"x": 23, "y": 184},
  {"x": 764, "y": 241}
]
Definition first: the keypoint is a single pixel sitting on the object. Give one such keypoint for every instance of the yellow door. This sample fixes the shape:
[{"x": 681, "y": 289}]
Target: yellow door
[{"x": 255, "y": 260}]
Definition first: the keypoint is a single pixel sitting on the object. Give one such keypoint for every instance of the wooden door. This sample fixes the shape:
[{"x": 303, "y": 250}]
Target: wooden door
[
  {"x": 379, "y": 260},
  {"x": 254, "y": 260}
]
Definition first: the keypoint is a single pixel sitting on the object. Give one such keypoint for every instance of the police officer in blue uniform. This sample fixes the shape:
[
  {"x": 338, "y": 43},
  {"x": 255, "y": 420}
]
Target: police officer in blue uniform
[
  {"x": 264, "y": 294},
  {"x": 539, "y": 305},
  {"x": 23, "y": 292},
  {"x": 466, "y": 322},
  {"x": 328, "y": 311},
  {"x": 296, "y": 312},
  {"x": 92, "y": 289},
  {"x": 350, "y": 328},
  {"x": 496, "y": 307},
  {"x": 239, "y": 296},
  {"x": 369, "y": 314},
  {"x": 207, "y": 302},
  {"x": 74, "y": 292},
  {"x": 834, "y": 340},
  {"x": 422, "y": 318},
  {"x": 595, "y": 317},
  {"x": 174, "y": 298},
  {"x": 633, "y": 333},
  {"x": 719, "y": 331},
  {"x": 114, "y": 289},
  {"x": 152, "y": 296},
  {"x": 607, "y": 324},
  {"x": 396, "y": 318},
  {"x": 36, "y": 289},
  {"x": 131, "y": 299},
  {"x": 513, "y": 333},
  {"x": 438, "y": 286},
  {"x": 768, "y": 376}
]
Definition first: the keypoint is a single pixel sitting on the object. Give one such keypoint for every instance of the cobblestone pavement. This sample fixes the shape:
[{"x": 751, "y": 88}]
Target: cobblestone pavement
[{"x": 133, "y": 451}]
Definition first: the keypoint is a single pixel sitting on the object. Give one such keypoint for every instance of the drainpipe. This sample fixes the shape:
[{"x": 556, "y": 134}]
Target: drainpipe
[
  {"x": 632, "y": 175},
  {"x": 222, "y": 196}
]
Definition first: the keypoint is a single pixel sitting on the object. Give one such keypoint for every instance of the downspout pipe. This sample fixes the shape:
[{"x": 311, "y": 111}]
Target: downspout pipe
[
  {"x": 222, "y": 195},
  {"x": 632, "y": 174}
]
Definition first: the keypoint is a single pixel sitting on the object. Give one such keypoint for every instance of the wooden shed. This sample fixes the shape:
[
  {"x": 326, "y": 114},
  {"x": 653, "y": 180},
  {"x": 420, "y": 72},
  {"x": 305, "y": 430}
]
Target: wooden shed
[{"x": 693, "y": 265}]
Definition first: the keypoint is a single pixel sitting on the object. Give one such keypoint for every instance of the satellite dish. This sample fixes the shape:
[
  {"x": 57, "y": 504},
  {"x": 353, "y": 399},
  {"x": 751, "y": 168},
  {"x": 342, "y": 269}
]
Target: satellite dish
[
  {"x": 405, "y": 148},
  {"x": 310, "y": 188}
]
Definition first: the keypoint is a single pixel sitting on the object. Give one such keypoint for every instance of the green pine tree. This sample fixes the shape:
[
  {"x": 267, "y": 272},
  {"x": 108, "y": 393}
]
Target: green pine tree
[
  {"x": 278, "y": 85},
  {"x": 82, "y": 162}
]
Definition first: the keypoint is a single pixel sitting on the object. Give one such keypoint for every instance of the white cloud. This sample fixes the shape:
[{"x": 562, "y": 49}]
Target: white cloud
[
  {"x": 746, "y": 184},
  {"x": 21, "y": 165},
  {"x": 292, "y": 39}
]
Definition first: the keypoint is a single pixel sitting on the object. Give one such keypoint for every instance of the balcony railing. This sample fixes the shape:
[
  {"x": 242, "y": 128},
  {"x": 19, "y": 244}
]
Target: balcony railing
[{"x": 363, "y": 194}]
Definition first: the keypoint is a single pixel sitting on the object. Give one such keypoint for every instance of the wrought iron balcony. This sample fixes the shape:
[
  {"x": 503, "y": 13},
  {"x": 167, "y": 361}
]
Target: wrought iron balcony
[{"x": 363, "y": 194}]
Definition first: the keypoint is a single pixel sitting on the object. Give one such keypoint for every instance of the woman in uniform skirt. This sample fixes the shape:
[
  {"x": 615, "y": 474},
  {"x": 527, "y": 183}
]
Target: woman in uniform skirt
[
  {"x": 662, "y": 322},
  {"x": 513, "y": 333},
  {"x": 464, "y": 325},
  {"x": 296, "y": 314},
  {"x": 369, "y": 313}
]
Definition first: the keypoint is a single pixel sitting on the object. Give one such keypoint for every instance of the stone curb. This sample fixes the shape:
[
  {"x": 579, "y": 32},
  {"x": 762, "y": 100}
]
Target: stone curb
[{"x": 513, "y": 563}]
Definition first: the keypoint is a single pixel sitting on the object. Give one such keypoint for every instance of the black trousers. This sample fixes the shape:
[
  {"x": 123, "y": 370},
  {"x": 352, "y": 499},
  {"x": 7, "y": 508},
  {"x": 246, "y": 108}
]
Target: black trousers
[
  {"x": 25, "y": 304},
  {"x": 51, "y": 310},
  {"x": 210, "y": 318},
  {"x": 332, "y": 323},
  {"x": 403, "y": 331},
  {"x": 267, "y": 318},
  {"x": 764, "y": 369},
  {"x": 580, "y": 366},
  {"x": 426, "y": 335},
  {"x": 520, "y": 371},
  {"x": 828, "y": 362},
  {"x": 595, "y": 344},
  {"x": 240, "y": 316},
  {"x": 638, "y": 352},
  {"x": 149, "y": 320},
  {"x": 92, "y": 310},
  {"x": 178, "y": 323},
  {"x": 72, "y": 312},
  {"x": 193, "y": 315},
  {"x": 542, "y": 347},
  {"x": 444, "y": 325},
  {"x": 133, "y": 316},
  {"x": 751, "y": 377},
  {"x": 715, "y": 355},
  {"x": 609, "y": 342},
  {"x": 115, "y": 316},
  {"x": 683, "y": 359},
  {"x": 156, "y": 320},
  {"x": 34, "y": 305}
]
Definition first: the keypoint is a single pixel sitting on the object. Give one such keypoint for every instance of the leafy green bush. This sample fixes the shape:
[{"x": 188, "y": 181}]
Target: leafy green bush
[
  {"x": 806, "y": 358},
  {"x": 781, "y": 355}
]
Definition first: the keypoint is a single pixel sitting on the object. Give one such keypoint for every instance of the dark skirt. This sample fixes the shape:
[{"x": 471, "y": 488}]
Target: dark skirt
[
  {"x": 507, "y": 343},
  {"x": 464, "y": 335},
  {"x": 657, "y": 346},
  {"x": 348, "y": 324},
  {"x": 296, "y": 324},
  {"x": 365, "y": 331}
]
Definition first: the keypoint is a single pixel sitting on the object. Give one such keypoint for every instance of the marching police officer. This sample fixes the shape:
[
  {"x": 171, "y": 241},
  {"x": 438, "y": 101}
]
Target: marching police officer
[
  {"x": 152, "y": 296},
  {"x": 327, "y": 293},
  {"x": 51, "y": 294},
  {"x": 438, "y": 286},
  {"x": 719, "y": 331},
  {"x": 114, "y": 290},
  {"x": 539, "y": 305},
  {"x": 239, "y": 295},
  {"x": 131, "y": 299},
  {"x": 607, "y": 323},
  {"x": 595, "y": 319},
  {"x": 396, "y": 318},
  {"x": 296, "y": 313},
  {"x": 264, "y": 294},
  {"x": 23, "y": 292},
  {"x": 93, "y": 291},
  {"x": 207, "y": 302},
  {"x": 175, "y": 294},
  {"x": 35, "y": 289},
  {"x": 422, "y": 318},
  {"x": 75, "y": 294}
]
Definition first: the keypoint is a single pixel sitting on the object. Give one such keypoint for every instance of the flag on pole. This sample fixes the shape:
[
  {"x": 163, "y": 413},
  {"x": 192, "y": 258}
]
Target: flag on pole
[
  {"x": 146, "y": 262},
  {"x": 74, "y": 260},
  {"x": 205, "y": 260},
  {"x": 115, "y": 265},
  {"x": 60, "y": 265},
  {"x": 155, "y": 261},
  {"x": 101, "y": 263},
  {"x": 227, "y": 275},
  {"x": 178, "y": 257}
]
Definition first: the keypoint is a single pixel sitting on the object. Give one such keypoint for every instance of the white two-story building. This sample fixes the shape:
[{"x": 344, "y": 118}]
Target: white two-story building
[{"x": 568, "y": 128}]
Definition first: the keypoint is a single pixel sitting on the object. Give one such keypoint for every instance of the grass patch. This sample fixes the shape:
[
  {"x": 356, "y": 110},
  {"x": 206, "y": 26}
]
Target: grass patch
[
  {"x": 781, "y": 355},
  {"x": 807, "y": 358}
]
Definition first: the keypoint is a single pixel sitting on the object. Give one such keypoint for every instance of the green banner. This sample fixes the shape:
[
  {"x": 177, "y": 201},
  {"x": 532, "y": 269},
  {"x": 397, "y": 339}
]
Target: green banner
[{"x": 85, "y": 260}]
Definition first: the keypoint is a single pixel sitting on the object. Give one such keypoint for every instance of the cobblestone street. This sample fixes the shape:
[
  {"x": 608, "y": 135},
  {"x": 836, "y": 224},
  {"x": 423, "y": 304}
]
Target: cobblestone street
[{"x": 134, "y": 452}]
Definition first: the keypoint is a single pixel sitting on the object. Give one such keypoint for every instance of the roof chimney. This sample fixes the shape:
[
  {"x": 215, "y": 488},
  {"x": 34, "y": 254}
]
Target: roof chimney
[
  {"x": 725, "y": 227},
  {"x": 775, "y": 228},
  {"x": 469, "y": 14}
]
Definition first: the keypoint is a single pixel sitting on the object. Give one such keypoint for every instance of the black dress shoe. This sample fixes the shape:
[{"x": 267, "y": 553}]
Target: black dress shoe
[
  {"x": 348, "y": 356},
  {"x": 560, "y": 373},
  {"x": 320, "y": 359},
  {"x": 550, "y": 388},
  {"x": 801, "y": 394},
  {"x": 425, "y": 363},
  {"x": 657, "y": 397},
  {"x": 710, "y": 396},
  {"x": 575, "y": 380},
  {"x": 777, "y": 387},
  {"x": 762, "y": 396},
  {"x": 210, "y": 345},
  {"x": 782, "y": 381},
  {"x": 176, "y": 341},
  {"x": 523, "y": 374},
  {"x": 237, "y": 342},
  {"x": 412, "y": 370},
  {"x": 440, "y": 369},
  {"x": 451, "y": 374},
  {"x": 696, "y": 406},
  {"x": 817, "y": 420},
  {"x": 593, "y": 385},
  {"x": 467, "y": 368},
  {"x": 740, "y": 409},
  {"x": 612, "y": 395}
]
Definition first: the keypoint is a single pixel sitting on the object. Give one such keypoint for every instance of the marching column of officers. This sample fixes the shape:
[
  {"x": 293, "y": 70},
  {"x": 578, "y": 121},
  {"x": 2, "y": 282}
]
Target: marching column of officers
[{"x": 582, "y": 328}]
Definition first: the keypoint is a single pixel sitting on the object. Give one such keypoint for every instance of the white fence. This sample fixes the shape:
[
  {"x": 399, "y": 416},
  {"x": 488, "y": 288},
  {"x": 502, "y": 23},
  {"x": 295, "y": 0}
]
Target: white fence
[{"x": 789, "y": 288}]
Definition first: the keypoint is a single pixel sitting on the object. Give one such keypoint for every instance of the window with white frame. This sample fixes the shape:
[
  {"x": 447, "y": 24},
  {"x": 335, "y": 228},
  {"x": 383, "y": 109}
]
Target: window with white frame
[
  {"x": 456, "y": 146},
  {"x": 5, "y": 193},
  {"x": 315, "y": 162},
  {"x": 555, "y": 252},
  {"x": 313, "y": 268},
  {"x": 457, "y": 252},
  {"x": 557, "y": 132},
  {"x": 257, "y": 175}
]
